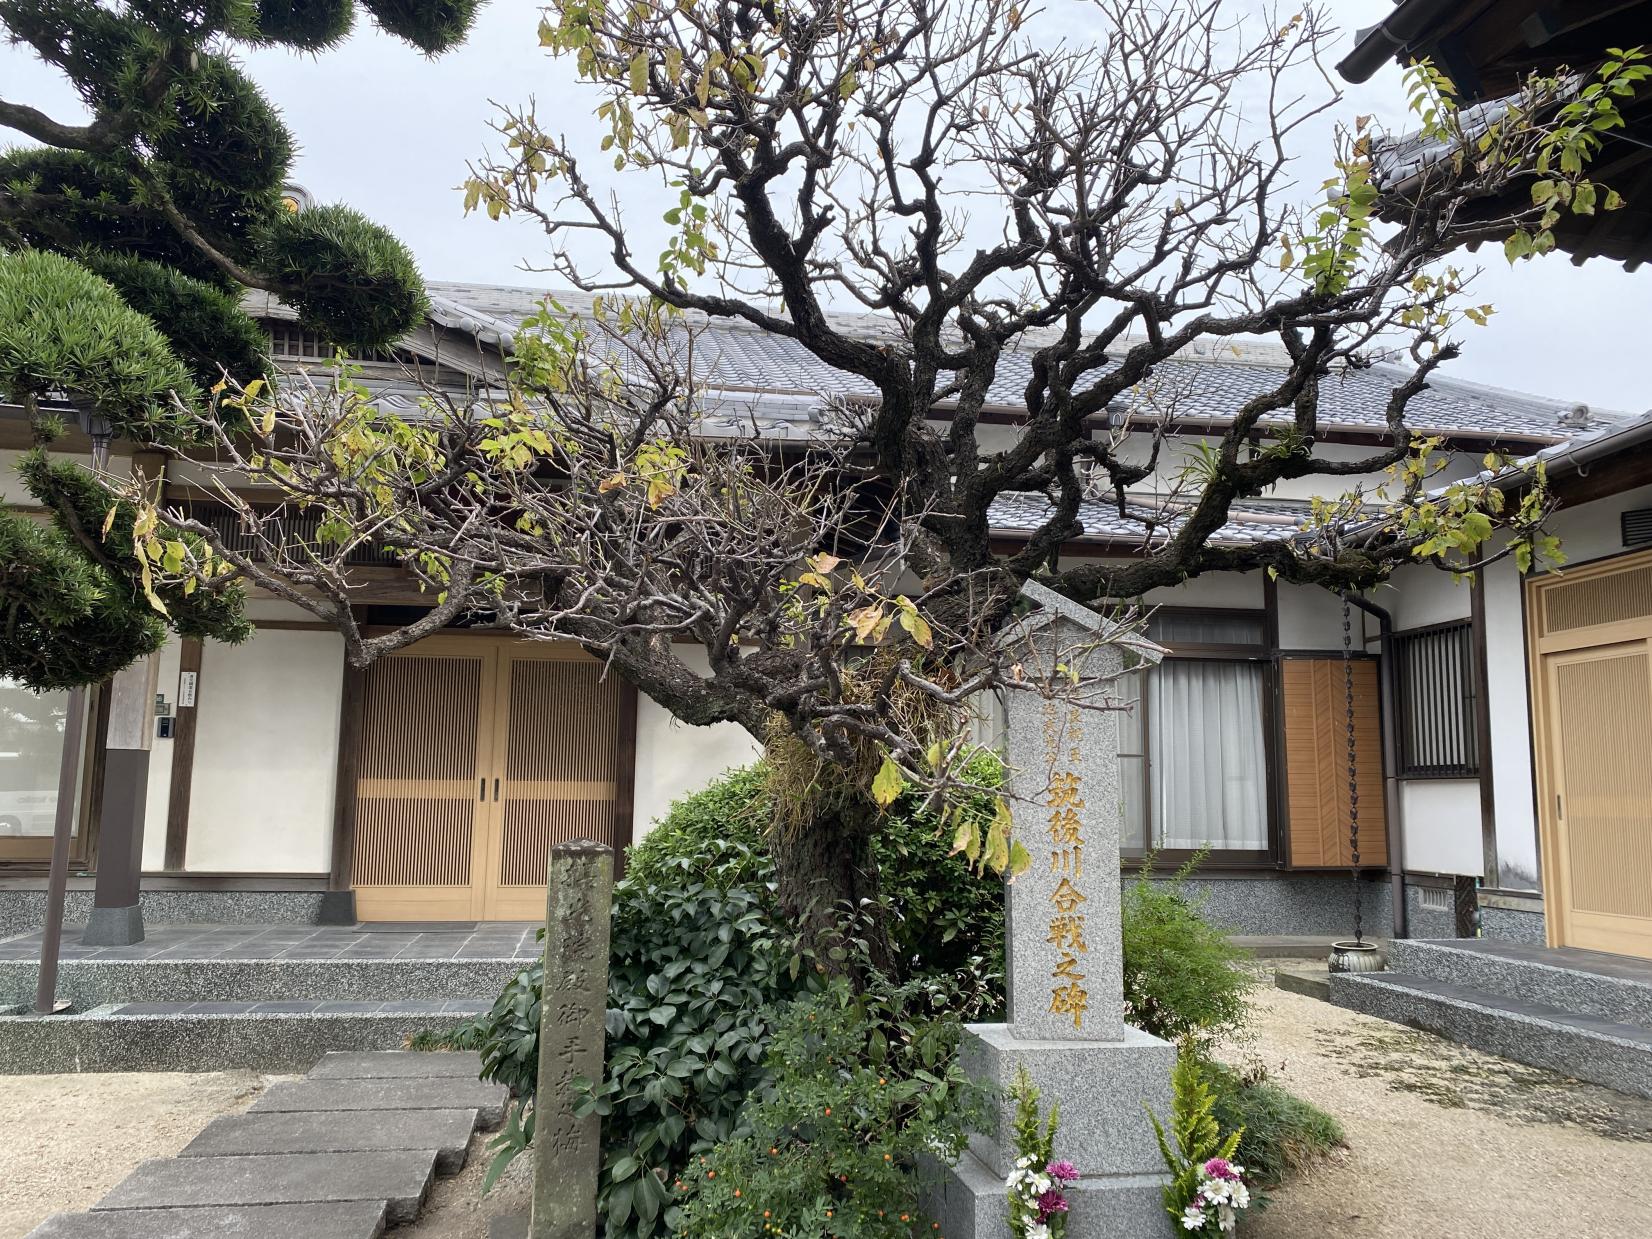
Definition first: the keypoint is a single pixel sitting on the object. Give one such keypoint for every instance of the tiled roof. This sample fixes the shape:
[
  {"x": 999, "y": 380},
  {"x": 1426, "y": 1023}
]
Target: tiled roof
[
  {"x": 1144, "y": 523},
  {"x": 1208, "y": 382}
]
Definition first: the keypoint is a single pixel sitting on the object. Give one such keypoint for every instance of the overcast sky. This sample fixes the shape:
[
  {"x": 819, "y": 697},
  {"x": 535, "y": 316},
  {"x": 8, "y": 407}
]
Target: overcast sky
[{"x": 390, "y": 132}]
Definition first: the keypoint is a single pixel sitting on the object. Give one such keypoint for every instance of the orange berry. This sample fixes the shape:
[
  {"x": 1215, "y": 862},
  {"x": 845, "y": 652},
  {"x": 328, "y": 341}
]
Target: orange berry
[
  {"x": 828, "y": 1111},
  {"x": 736, "y": 1191},
  {"x": 711, "y": 1174}
]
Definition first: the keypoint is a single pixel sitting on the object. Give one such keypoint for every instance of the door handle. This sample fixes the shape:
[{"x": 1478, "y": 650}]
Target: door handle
[
  {"x": 496, "y": 790},
  {"x": 482, "y": 792}
]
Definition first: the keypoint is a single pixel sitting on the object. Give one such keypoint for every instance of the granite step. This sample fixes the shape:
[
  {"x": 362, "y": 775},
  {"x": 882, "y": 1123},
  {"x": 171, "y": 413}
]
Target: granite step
[
  {"x": 399, "y": 1179},
  {"x": 98, "y": 982},
  {"x": 487, "y": 1100},
  {"x": 447, "y": 1132},
  {"x": 1614, "y": 1055},
  {"x": 397, "y": 1065},
  {"x": 1614, "y": 988},
  {"x": 333, "y": 1220},
  {"x": 279, "y": 1036}
]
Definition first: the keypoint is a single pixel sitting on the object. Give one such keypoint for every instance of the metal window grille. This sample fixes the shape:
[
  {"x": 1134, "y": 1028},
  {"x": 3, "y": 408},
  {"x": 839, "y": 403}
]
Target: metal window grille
[{"x": 1437, "y": 702}]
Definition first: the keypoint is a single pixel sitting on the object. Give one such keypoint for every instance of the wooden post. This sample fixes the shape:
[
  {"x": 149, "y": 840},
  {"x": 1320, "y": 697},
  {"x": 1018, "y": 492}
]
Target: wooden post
[{"x": 567, "y": 1149}]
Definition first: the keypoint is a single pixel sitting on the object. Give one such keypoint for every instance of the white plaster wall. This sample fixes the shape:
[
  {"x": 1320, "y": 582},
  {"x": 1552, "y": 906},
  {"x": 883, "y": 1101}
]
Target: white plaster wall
[
  {"x": 1511, "y": 744},
  {"x": 1593, "y": 530},
  {"x": 674, "y": 759},
  {"x": 266, "y": 754},
  {"x": 160, "y": 766},
  {"x": 1232, "y": 590},
  {"x": 11, "y": 486},
  {"x": 1590, "y": 531},
  {"x": 1442, "y": 826},
  {"x": 1310, "y": 619},
  {"x": 1422, "y": 595}
]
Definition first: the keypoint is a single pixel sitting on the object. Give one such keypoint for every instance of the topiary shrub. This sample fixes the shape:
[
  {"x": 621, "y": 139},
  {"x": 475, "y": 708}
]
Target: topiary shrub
[{"x": 1182, "y": 979}]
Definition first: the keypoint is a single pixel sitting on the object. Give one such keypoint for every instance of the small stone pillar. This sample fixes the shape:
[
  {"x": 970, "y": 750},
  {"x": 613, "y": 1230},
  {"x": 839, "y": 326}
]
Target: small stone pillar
[
  {"x": 567, "y": 1151},
  {"x": 1065, "y": 955}
]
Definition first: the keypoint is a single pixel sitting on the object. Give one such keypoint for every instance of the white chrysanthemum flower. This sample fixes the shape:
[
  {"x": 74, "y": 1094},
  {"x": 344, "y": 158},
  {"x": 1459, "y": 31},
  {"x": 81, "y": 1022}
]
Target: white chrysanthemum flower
[
  {"x": 1192, "y": 1218},
  {"x": 1038, "y": 1231}
]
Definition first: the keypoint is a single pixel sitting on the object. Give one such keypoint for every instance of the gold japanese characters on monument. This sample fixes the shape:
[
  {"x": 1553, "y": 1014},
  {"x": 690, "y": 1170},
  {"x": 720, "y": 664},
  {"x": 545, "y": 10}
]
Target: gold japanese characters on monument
[{"x": 1062, "y": 738}]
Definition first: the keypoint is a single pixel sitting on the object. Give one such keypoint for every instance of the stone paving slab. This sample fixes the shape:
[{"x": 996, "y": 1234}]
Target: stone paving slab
[
  {"x": 488, "y": 1100},
  {"x": 366, "y": 1131},
  {"x": 400, "y": 1179},
  {"x": 362, "y": 1219},
  {"x": 398, "y": 1065}
]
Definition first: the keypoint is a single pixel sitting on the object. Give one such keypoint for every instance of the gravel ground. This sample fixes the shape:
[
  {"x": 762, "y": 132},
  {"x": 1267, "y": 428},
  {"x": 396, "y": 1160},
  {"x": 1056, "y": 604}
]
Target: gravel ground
[
  {"x": 1444, "y": 1141},
  {"x": 458, "y": 1210},
  {"x": 65, "y": 1140}
]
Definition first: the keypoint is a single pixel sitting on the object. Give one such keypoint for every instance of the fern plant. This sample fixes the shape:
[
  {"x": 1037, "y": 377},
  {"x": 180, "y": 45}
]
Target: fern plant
[{"x": 1206, "y": 1189}]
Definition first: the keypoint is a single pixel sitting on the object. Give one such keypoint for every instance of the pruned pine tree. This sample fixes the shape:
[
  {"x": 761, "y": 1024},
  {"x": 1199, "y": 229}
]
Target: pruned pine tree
[
  {"x": 126, "y": 240},
  {"x": 1070, "y": 213}
]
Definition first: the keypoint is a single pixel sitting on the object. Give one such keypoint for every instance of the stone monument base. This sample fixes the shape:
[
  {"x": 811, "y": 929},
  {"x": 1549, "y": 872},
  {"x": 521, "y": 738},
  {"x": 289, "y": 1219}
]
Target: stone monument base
[{"x": 1104, "y": 1090}]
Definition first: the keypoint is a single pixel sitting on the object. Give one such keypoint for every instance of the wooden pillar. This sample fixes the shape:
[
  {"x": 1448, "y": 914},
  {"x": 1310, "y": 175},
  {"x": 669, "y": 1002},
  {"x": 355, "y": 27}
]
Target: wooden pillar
[
  {"x": 183, "y": 754},
  {"x": 338, "y": 906},
  {"x": 115, "y": 919}
]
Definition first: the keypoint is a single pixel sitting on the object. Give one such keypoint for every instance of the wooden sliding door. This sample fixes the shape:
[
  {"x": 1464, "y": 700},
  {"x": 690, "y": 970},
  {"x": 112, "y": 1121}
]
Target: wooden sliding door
[
  {"x": 1591, "y": 638},
  {"x": 476, "y": 754}
]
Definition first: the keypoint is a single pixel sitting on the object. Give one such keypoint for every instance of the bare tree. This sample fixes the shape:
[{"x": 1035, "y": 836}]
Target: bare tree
[{"x": 1066, "y": 217}]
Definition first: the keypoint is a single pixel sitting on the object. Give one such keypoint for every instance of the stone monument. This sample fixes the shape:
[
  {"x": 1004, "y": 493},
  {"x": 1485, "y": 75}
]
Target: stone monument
[
  {"x": 1065, "y": 954},
  {"x": 567, "y": 1151}
]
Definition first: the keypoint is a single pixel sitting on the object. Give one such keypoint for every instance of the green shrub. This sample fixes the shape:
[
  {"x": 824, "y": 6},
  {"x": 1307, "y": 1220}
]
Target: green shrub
[
  {"x": 698, "y": 966},
  {"x": 714, "y": 834},
  {"x": 943, "y": 919},
  {"x": 1282, "y": 1133},
  {"x": 863, "y": 1091},
  {"x": 1182, "y": 979}
]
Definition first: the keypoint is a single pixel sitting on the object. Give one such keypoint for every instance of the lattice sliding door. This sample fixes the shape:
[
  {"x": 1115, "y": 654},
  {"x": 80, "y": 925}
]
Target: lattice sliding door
[
  {"x": 423, "y": 752},
  {"x": 1592, "y": 669},
  {"x": 559, "y": 745}
]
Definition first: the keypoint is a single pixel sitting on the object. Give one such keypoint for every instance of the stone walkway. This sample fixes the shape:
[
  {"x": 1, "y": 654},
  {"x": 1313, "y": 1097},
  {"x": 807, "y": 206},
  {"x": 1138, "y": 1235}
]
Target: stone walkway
[{"x": 341, "y": 1154}]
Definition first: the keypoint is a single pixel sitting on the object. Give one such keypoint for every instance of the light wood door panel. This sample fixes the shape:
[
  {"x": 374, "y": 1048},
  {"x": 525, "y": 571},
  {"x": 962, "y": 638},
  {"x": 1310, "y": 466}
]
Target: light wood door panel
[
  {"x": 421, "y": 809},
  {"x": 476, "y": 755},
  {"x": 558, "y": 720},
  {"x": 1600, "y": 712}
]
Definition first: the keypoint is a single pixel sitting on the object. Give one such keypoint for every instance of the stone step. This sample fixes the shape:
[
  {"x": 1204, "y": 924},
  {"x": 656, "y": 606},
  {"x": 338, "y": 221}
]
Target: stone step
[
  {"x": 98, "y": 982},
  {"x": 218, "y": 1036},
  {"x": 1309, "y": 982},
  {"x": 400, "y": 1179},
  {"x": 335, "y": 1220},
  {"x": 488, "y": 1100},
  {"x": 1615, "y": 1055},
  {"x": 448, "y": 1132},
  {"x": 397, "y": 1065},
  {"x": 1609, "y": 987}
]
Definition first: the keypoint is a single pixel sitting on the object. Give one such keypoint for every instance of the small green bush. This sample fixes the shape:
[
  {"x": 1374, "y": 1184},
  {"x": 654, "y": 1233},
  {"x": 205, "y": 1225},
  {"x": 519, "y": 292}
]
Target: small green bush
[
  {"x": 943, "y": 919},
  {"x": 1282, "y": 1133},
  {"x": 697, "y": 968},
  {"x": 863, "y": 1091},
  {"x": 1182, "y": 979}
]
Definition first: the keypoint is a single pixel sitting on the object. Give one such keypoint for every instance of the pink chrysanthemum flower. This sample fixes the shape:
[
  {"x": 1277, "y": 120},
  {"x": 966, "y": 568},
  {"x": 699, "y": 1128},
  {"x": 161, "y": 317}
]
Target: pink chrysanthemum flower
[
  {"x": 1051, "y": 1202},
  {"x": 1062, "y": 1171}
]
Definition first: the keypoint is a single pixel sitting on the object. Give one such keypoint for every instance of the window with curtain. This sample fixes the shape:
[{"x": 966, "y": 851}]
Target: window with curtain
[{"x": 1193, "y": 747}]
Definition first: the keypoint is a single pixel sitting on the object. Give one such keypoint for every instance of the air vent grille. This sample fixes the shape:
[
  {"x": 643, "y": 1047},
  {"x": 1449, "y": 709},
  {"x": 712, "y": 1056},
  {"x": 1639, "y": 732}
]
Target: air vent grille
[{"x": 1637, "y": 527}]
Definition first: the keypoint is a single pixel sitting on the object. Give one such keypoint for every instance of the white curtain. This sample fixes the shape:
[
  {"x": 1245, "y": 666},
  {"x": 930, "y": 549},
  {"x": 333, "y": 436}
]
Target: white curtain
[{"x": 1207, "y": 758}]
